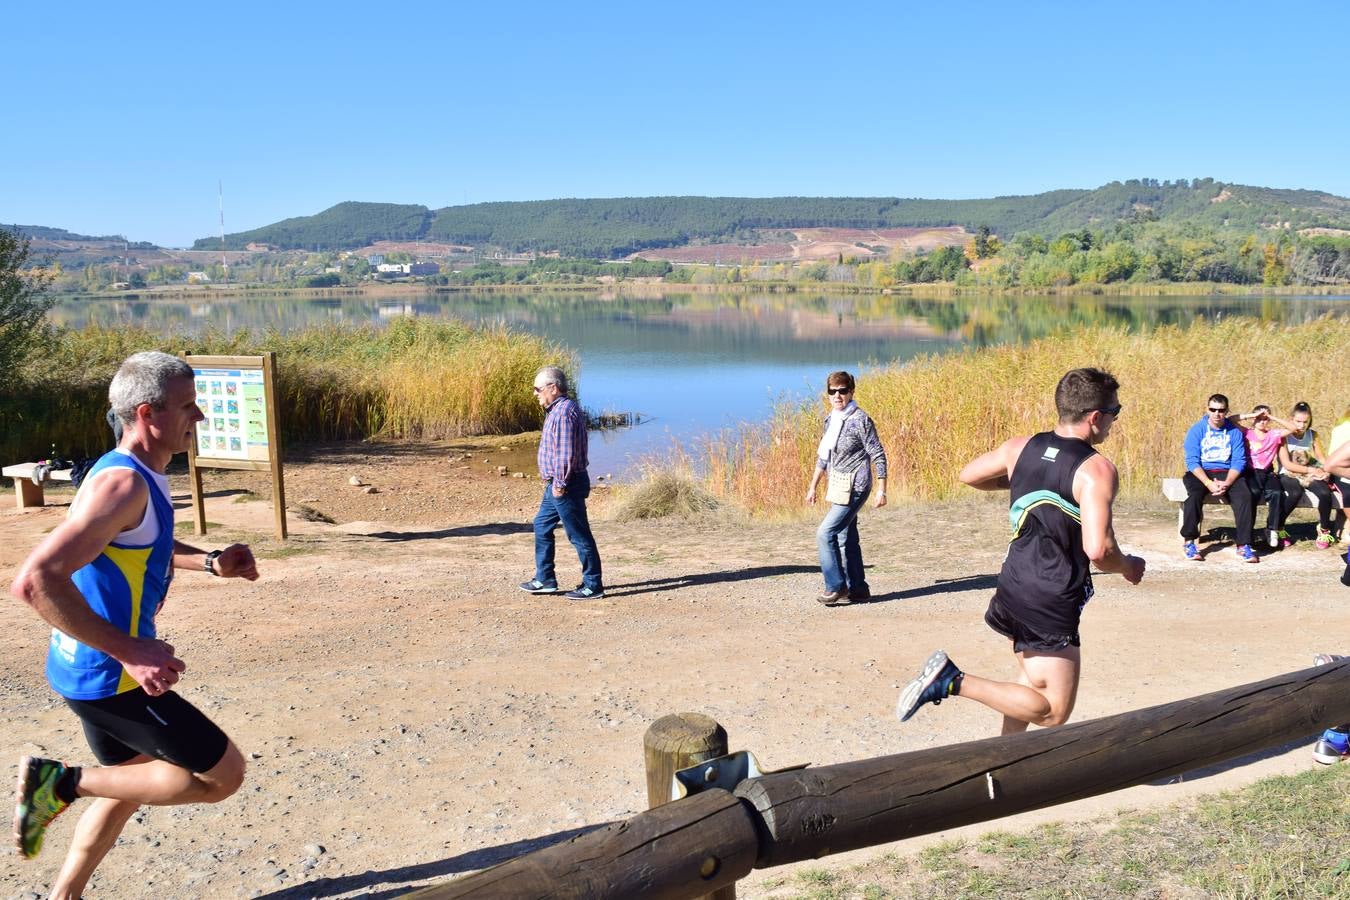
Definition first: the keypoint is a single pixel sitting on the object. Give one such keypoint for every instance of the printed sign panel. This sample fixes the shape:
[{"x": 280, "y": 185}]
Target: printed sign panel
[{"x": 235, "y": 406}]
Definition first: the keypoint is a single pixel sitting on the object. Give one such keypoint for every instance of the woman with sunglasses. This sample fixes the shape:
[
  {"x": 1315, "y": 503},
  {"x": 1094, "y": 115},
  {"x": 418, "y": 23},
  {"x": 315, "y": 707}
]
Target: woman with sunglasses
[{"x": 848, "y": 451}]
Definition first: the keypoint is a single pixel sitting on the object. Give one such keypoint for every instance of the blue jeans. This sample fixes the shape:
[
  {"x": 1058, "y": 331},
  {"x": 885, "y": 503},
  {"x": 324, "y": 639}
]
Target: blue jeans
[
  {"x": 841, "y": 559},
  {"x": 570, "y": 510}
]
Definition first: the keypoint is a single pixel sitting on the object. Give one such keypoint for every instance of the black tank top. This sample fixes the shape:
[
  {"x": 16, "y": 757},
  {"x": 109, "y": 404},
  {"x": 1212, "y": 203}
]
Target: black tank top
[{"x": 1046, "y": 577}]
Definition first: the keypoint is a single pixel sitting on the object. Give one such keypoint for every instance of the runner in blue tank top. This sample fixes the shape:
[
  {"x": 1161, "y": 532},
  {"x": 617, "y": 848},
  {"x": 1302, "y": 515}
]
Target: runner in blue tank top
[
  {"x": 1061, "y": 495},
  {"x": 99, "y": 579}
]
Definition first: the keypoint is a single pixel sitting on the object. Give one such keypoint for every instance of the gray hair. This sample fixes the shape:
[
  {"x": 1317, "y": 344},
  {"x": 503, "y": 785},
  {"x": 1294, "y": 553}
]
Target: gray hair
[
  {"x": 553, "y": 375},
  {"x": 144, "y": 378}
]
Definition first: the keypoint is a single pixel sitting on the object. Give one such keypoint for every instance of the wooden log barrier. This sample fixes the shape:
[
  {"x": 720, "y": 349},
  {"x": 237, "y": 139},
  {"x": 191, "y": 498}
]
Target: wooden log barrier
[
  {"x": 680, "y": 850},
  {"x": 815, "y": 812},
  {"x": 709, "y": 840}
]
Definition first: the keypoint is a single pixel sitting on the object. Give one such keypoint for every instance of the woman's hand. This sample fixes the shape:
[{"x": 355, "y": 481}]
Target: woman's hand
[
  {"x": 811, "y": 495},
  {"x": 880, "y": 501}
]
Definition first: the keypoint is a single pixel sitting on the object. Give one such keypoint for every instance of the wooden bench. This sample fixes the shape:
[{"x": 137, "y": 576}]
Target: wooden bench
[
  {"x": 1174, "y": 489},
  {"x": 26, "y": 493}
]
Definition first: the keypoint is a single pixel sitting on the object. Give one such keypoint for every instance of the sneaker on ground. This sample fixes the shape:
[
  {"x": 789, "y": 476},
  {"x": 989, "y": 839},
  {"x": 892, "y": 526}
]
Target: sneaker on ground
[
  {"x": 1191, "y": 551},
  {"x": 35, "y": 802},
  {"x": 585, "y": 593},
  {"x": 833, "y": 598},
  {"x": 1247, "y": 554},
  {"x": 934, "y": 683},
  {"x": 1326, "y": 659},
  {"x": 1285, "y": 539},
  {"x": 1323, "y": 539},
  {"x": 1332, "y": 747},
  {"x": 535, "y": 586}
]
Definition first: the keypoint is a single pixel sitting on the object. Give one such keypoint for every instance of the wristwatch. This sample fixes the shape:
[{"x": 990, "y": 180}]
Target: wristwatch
[{"x": 210, "y": 559}]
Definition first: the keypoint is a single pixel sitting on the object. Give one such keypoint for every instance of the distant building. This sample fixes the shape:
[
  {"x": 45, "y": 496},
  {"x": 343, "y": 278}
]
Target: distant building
[
  {"x": 424, "y": 268},
  {"x": 258, "y": 247},
  {"x": 375, "y": 259},
  {"x": 391, "y": 268}
]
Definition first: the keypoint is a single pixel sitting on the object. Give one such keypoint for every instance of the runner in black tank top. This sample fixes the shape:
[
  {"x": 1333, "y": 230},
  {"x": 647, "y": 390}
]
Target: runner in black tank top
[
  {"x": 1045, "y": 580},
  {"x": 1062, "y": 491}
]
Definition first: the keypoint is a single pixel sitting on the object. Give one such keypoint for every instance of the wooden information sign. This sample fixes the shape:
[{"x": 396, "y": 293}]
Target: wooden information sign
[{"x": 237, "y": 394}]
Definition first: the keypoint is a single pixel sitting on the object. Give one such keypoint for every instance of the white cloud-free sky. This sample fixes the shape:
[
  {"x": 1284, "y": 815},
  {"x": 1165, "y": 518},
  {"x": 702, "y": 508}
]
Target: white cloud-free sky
[{"x": 123, "y": 118}]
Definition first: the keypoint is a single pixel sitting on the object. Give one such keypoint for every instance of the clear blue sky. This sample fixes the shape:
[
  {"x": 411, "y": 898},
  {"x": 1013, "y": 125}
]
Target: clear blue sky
[{"x": 123, "y": 117}]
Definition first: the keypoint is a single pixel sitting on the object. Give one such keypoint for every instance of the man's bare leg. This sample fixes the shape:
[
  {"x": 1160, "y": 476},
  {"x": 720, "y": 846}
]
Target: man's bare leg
[
  {"x": 1044, "y": 693},
  {"x": 158, "y": 783},
  {"x": 95, "y": 834},
  {"x": 118, "y": 791}
]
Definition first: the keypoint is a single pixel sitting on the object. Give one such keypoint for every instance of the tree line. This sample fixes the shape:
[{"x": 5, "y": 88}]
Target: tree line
[{"x": 614, "y": 228}]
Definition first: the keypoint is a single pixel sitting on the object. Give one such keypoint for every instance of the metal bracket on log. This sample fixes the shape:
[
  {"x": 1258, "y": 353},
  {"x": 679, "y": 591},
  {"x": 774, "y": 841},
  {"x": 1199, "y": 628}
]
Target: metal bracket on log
[{"x": 723, "y": 772}]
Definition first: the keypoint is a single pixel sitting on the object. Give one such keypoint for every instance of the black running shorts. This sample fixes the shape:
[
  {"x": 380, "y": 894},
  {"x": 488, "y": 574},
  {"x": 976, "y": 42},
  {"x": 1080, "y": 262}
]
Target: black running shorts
[
  {"x": 1006, "y": 623},
  {"x": 167, "y": 727}
]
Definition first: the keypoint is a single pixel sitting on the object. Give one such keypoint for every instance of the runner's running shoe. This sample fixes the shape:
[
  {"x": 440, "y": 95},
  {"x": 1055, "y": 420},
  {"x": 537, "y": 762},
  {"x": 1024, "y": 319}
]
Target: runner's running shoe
[
  {"x": 35, "y": 802},
  {"x": 939, "y": 679},
  {"x": 1191, "y": 551},
  {"x": 1324, "y": 539},
  {"x": 1333, "y": 747},
  {"x": 1247, "y": 554},
  {"x": 1285, "y": 539}
]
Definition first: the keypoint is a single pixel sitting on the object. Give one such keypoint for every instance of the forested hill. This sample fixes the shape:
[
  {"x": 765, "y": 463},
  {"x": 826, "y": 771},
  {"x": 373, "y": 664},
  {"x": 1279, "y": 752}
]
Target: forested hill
[{"x": 615, "y": 227}]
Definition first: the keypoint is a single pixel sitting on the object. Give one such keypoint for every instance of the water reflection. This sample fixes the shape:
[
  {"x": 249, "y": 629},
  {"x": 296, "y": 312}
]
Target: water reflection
[{"x": 695, "y": 362}]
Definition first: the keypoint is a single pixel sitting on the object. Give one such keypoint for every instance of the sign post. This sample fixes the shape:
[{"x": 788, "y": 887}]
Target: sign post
[{"x": 237, "y": 394}]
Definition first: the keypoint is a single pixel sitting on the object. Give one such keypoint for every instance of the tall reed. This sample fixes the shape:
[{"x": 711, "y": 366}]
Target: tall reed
[
  {"x": 413, "y": 378},
  {"x": 934, "y": 413}
]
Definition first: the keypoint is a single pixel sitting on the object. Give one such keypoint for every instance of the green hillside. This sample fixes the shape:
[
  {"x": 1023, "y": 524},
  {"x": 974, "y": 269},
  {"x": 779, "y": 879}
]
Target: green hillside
[
  {"x": 349, "y": 224},
  {"x": 607, "y": 228}
]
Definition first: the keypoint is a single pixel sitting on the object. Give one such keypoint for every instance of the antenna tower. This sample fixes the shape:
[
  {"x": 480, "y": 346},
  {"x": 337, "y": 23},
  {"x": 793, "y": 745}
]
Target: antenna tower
[{"x": 224, "y": 261}]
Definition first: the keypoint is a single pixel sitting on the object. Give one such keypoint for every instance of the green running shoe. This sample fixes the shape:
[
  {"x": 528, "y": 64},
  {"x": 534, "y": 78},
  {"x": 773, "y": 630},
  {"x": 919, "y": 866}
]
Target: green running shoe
[{"x": 35, "y": 802}]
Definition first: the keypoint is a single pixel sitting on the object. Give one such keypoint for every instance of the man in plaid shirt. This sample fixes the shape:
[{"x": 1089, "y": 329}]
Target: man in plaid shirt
[{"x": 562, "y": 465}]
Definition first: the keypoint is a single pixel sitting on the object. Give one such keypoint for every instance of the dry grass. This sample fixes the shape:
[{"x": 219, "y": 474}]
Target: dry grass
[
  {"x": 934, "y": 413},
  {"x": 662, "y": 492},
  {"x": 414, "y": 378}
]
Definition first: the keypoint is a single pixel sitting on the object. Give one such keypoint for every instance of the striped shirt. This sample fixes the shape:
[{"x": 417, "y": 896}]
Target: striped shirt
[{"x": 562, "y": 447}]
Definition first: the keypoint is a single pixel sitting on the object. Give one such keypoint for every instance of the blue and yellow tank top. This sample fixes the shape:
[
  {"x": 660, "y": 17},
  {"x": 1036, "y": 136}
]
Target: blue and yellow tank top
[{"x": 125, "y": 585}]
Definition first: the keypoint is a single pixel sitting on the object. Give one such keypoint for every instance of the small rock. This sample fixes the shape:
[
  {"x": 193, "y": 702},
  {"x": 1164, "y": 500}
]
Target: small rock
[
  {"x": 501, "y": 470},
  {"x": 315, "y": 850},
  {"x": 355, "y": 482},
  {"x": 370, "y": 489},
  {"x": 517, "y": 474}
]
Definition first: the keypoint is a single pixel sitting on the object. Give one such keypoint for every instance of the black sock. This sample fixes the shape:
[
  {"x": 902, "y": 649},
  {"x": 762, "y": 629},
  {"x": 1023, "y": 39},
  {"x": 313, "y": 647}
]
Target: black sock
[
  {"x": 65, "y": 785},
  {"x": 955, "y": 689}
]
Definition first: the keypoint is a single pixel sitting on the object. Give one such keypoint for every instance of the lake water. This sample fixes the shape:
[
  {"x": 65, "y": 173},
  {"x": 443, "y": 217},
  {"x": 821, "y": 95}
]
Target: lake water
[{"x": 693, "y": 363}]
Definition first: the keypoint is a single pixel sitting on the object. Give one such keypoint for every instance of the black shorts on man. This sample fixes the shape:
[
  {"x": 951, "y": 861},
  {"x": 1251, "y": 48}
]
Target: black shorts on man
[{"x": 130, "y": 724}]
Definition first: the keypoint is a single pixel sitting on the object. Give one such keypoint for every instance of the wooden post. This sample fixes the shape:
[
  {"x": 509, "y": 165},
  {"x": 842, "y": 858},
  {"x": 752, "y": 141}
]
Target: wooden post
[
  {"x": 676, "y": 742},
  {"x": 274, "y": 444}
]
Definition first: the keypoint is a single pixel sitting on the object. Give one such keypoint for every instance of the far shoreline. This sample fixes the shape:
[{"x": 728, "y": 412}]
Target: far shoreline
[{"x": 649, "y": 288}]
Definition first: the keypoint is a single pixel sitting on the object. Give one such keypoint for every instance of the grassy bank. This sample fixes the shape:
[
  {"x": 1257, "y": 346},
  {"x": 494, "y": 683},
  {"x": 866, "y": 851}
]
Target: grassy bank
[
  {"x": 1281, "y": 837},
  {"x": 934, "y": 413},
  {"x": 413, "y": 378}
]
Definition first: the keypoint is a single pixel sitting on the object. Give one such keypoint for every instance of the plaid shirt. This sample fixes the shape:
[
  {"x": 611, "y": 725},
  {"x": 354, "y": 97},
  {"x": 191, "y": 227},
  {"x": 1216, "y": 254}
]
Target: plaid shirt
[{"x": 562, "y": 447}]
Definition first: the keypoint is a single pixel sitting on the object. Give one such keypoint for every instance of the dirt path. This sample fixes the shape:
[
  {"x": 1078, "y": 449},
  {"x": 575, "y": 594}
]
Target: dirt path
[{"x": 409, "y": 711}]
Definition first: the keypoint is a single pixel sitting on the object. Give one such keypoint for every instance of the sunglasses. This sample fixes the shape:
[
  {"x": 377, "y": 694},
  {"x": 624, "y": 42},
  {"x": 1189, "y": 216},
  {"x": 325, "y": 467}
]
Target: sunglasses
[
  {"x": 538, "y": 388},
  {"x": 1220, "y": 410},
  {"x": 838, "y": 390},
  {"x": 1112, "y": 410}
]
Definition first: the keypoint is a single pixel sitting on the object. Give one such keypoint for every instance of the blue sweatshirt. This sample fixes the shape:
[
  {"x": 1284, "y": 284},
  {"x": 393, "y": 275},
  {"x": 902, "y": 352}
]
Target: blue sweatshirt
[{"x": 1215, "y": 448}]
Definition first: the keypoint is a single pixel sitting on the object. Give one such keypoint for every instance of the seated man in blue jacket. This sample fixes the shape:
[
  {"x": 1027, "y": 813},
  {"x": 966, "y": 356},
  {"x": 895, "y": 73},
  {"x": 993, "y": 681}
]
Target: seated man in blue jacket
[{"x": 1216, "y": 454}]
